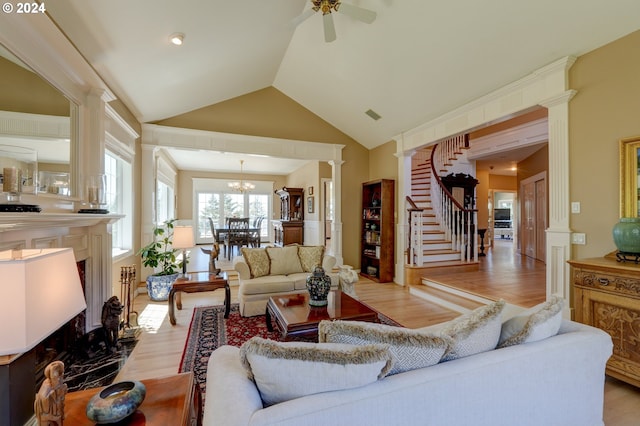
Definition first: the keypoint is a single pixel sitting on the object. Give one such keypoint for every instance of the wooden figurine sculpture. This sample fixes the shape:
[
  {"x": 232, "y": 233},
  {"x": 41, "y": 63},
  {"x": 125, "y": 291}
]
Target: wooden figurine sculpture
[
  {"x": 213, "y": 255},
  {"x": 49, "y": 403},
  {"x": 111, "y": 311}
]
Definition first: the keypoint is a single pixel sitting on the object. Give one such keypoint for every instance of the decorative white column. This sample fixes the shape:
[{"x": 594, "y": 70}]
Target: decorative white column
[
  {"x": 403, "y": 188},
  {"x": 336, "y": 224},
  {"x": 558, "y": 241}
]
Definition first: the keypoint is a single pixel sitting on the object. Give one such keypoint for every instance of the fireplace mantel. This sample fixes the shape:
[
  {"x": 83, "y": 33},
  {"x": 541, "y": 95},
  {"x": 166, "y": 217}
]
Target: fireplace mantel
[
  {"x": 89, "y": 235},
  {"x": 21, "y": 221}
]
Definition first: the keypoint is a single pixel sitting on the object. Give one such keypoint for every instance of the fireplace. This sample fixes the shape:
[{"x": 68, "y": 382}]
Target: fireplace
[{"x": 90, "y": 238}]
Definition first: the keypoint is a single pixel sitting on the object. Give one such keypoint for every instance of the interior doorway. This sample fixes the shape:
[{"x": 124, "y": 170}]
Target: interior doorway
[{"x": 534, "y": 216}]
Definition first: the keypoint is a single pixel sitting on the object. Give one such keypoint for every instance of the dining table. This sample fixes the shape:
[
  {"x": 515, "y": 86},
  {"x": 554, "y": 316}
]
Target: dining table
[{"x": 222, "y": 232}]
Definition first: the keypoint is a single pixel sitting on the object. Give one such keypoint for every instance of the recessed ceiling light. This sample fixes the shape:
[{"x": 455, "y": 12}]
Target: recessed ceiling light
[{"x": 176, "y": 38}]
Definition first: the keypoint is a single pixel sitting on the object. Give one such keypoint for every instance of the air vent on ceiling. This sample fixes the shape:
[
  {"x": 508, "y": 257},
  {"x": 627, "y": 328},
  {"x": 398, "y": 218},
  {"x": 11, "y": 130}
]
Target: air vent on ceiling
[{"x": 371, "y": 113}]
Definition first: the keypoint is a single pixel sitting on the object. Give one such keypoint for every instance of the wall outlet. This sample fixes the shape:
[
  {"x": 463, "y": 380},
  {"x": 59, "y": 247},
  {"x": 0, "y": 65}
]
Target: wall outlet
[{"x": 578, "y": 238}]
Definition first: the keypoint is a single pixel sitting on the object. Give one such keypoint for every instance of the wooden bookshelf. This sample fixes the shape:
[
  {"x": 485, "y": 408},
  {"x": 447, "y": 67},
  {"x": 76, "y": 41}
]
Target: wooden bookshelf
[{"x": 377, "y": 230}]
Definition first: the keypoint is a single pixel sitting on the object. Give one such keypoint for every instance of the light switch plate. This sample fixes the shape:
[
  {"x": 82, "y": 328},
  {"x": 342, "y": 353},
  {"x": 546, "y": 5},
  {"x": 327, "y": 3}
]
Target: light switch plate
[
  {"x": 578, "y": 238},
  {"x": 575, "y": 207}
]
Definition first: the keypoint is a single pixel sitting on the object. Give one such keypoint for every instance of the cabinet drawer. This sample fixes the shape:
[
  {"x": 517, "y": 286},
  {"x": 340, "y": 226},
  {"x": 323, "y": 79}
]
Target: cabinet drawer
[{"x": 609, "y": 282}]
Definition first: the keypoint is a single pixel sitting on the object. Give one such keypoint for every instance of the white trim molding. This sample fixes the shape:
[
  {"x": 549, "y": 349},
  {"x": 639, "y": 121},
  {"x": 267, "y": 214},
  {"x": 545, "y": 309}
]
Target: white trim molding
[
  {"x": 155, "y": 137},
  {"x": 548, "y": 87}
]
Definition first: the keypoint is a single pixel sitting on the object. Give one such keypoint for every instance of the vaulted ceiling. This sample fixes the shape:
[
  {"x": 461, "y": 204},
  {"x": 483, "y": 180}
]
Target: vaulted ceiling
[{"x": 416, "y": 61}]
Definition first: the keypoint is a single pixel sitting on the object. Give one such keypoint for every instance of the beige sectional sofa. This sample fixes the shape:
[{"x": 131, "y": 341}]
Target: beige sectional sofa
[{"x": 267, "y": 271}]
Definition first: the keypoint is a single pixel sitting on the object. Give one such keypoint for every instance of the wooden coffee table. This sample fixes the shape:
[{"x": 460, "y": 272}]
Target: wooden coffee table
[
  {"x": 196, "y": 282},
  {"x": 294, "y": 316}
]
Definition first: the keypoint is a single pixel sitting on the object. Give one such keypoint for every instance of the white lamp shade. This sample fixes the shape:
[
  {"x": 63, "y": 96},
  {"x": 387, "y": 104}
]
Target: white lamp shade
[
  {"x": 183, "y": 237},
  {"x": 42, "y": 291}
]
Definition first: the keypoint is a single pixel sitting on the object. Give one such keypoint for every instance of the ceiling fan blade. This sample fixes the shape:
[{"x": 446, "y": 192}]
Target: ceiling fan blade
[
  {"x": 329, "y": 28},
  {"x": 365, "y": 15},
  {"x": 302, "y": 17}
]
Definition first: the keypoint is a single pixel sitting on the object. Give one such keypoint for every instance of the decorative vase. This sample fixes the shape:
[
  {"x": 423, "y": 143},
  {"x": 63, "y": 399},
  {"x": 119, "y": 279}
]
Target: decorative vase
[
  {"x": 318, "y": 285},
  {"x": 626, "y": 235},
  {"x": 116, "y": 402},
  {"x": 159, "y": 286}
]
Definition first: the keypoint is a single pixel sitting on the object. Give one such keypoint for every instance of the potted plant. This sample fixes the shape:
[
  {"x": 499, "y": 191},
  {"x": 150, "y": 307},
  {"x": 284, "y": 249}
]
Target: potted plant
[{"x": 161, "y": 256}]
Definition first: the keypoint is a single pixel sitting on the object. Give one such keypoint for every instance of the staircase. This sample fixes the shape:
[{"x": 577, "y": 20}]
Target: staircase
[
  {"x": 437, "y": 249},
  {"x": 433, "y": 252}
]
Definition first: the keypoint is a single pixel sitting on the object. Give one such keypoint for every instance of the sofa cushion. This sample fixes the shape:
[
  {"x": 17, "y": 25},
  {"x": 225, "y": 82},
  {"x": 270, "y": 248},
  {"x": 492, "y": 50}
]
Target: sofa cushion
[
  {"x": 310, "y": 257},
  {"x": 534, "y": 324},
  {"x": 288, "y": 370},
  {"x": 284, "y": 260},
  {"x": 475, "y": 332},
  {"x": 410, "y": 349},
  {"x": 267, "y": 284},
  {"x": 258, "y": 261}
]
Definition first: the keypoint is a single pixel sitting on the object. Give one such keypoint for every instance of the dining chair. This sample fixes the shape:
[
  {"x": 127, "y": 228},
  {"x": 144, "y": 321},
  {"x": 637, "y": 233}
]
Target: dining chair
[
  {"x": 254, "y": 233},
  {"x": 237, "y": 235}
]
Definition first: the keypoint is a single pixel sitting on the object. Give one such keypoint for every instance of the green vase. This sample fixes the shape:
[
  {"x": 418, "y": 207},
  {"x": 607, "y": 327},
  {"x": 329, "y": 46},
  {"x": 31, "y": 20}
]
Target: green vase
[{"x": 626, "y": 235}]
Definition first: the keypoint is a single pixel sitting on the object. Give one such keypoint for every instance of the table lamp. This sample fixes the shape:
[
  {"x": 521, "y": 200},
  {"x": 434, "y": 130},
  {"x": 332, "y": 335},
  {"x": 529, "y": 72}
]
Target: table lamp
[
  {"x": 183, "y": 239},
  {"x": 43, "y": 292}
]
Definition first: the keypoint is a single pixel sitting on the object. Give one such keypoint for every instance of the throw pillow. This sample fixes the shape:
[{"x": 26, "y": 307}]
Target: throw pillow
[
  {"x": 284, "y": 260},
  {"x": 288, "y": 370},
  {"x": 475, "y": 332},
  {"x": 534, "y": 324},
  {"x": 258, "y": 261},
  {"x": 410, "y": 349},
  {"x": 310, "y": 257}
]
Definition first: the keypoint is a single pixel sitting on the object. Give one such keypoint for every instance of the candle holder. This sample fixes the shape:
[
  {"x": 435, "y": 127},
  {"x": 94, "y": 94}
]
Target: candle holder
[
  {"x": 19, "y": 167},
  {"x": 95, "y": 194}
]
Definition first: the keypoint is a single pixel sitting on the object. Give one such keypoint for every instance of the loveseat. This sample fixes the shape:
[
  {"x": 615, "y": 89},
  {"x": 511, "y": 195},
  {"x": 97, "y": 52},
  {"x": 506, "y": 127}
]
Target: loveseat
[
  {"x": 264, "y": 272},
  {"x": 558, "y": 380}
]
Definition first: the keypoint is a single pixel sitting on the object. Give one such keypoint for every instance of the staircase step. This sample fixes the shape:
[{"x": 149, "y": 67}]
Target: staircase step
[
  {"x": 446, "y": 299},
  {"x": 464, "y": 299}
]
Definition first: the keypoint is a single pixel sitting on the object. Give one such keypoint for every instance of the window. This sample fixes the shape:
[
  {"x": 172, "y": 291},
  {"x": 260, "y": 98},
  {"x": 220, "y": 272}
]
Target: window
[
  {"x": 214, "y": 199},
  {"x": 119, "y": 200},
  {"x": 165, "y": 202}
]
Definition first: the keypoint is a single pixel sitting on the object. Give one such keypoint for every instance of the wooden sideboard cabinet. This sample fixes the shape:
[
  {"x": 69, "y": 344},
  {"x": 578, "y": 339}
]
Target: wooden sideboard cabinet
[
  {"x": 607, "y": 296},
  {"x": 290, "y": 228}
]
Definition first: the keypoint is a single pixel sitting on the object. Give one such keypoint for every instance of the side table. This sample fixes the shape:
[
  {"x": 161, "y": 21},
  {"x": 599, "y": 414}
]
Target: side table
[
  {"x": 171, "y": 400},
  {"x": 197, "y": 282}
]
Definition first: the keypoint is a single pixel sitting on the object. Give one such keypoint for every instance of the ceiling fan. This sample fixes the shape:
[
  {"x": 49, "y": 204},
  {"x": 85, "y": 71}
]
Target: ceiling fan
[{"x": 327, "y": 6}]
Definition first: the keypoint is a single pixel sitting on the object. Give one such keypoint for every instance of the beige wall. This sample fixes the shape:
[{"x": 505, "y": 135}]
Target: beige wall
[
  {"x": 270, "y": 113},
  {"x": 24, "y": 91},
  {"x": 604, "y": 110}
]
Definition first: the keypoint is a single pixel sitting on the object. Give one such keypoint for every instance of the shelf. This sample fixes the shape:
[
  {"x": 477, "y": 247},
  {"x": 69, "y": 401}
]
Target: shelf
[{"x": 377, "y": 245}]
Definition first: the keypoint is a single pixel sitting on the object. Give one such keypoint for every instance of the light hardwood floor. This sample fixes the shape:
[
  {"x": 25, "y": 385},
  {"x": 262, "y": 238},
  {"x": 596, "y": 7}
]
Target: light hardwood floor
[{"x": 160, "y": 347}]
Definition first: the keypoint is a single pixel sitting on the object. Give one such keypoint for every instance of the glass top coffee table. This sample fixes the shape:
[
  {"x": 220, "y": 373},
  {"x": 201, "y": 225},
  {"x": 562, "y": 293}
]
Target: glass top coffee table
[{"x": 294, "y": 316}]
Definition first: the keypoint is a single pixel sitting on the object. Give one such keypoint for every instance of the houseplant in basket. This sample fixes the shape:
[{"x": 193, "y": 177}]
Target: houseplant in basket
[{"x": 161, "y": 256}]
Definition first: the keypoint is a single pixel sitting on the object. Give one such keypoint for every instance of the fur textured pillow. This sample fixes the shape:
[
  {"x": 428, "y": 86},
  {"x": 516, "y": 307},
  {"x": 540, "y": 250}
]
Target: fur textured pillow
[
  {"x": 284, "y": 260},
  {"x": 534, "y": 324},
  {"x": 310, "y": 257},
  {"x": 257, "y": 260},
  {"x": 288, "y": 370},
  {"x": 475, "y": 332},
  {"x": 411, "y": 349}
]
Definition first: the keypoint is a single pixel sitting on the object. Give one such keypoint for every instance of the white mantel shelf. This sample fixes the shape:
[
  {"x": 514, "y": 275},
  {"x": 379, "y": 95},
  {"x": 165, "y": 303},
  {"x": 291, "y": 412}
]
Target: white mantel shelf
[{"x": 21, "y": 221}]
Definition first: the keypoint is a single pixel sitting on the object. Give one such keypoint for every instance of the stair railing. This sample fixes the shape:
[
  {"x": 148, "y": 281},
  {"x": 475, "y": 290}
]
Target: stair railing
[
  {"x": 414, "y": 235},
  {"x": 456, "y": 221}
]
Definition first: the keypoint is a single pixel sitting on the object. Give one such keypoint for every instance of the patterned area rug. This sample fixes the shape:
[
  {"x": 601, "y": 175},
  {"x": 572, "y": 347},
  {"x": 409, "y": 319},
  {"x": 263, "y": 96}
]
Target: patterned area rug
[{"x": 209, "y": 330}]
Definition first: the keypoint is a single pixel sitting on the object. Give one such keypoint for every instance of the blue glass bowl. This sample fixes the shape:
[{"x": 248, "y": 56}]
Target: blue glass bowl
[{"x": 116, "y": 402}]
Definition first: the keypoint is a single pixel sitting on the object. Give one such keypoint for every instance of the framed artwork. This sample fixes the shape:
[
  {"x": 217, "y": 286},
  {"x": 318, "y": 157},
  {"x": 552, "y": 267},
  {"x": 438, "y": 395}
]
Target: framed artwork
[
  {"x": 310, "y": 190},
  {"x": 629, "y": 177},
  {"x": 309, "y": 204}
]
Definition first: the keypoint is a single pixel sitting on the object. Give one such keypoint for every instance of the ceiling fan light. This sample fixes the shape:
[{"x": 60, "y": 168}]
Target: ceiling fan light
[{"x": 176, "y": 38}]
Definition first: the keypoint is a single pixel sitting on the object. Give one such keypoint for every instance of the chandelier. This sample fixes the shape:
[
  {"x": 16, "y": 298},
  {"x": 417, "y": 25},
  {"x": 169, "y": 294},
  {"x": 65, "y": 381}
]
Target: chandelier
[{"x": 241, "y": 186}]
